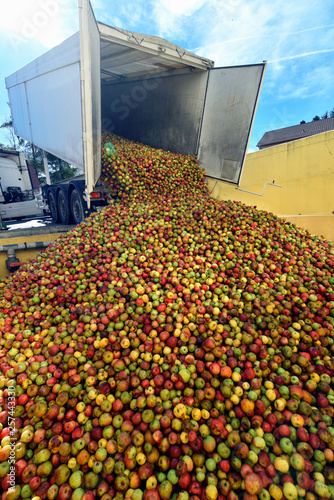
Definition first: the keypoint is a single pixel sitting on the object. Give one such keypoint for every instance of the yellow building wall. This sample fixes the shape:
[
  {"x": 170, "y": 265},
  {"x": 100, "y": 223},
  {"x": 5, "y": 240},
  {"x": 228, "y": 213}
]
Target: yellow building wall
[{"x": 304, "y": 169}]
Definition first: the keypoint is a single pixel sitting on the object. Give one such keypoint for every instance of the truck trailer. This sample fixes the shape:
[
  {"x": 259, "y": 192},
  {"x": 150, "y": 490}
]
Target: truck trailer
[{"x": 138, "y": 86}]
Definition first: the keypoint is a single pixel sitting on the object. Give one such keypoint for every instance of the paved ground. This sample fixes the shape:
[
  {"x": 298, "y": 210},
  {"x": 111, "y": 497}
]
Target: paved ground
[
  {"x": 32, "y": 226},
  {"x": 29, "y": 222}
]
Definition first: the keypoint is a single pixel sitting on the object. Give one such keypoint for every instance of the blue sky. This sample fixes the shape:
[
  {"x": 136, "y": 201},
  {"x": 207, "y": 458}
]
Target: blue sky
[{"x": 296, "y": 38}]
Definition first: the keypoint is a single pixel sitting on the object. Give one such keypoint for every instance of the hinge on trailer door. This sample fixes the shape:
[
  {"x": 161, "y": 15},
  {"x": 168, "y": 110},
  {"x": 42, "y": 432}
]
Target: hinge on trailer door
[
  {"x": 86, "y": 197},
  {"x": 180, "y": 55},
  {"x": 132, "y": 36}
]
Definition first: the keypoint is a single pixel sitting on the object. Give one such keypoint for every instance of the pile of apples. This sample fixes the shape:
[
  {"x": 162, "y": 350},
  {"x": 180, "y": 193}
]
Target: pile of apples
[
  {"x": 135, "y": 171},
  {"x": 172, "y": 346}
]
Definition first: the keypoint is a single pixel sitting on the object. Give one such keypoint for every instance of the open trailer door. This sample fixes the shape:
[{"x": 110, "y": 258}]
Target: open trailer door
[
  {"x": 91, "y": 93},
  {"x": 229, "y": 110}
]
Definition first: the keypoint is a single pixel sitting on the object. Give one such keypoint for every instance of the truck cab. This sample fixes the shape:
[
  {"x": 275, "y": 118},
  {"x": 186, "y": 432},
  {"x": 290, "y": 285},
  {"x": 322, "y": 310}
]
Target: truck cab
[{"x": 17, "y": 188}]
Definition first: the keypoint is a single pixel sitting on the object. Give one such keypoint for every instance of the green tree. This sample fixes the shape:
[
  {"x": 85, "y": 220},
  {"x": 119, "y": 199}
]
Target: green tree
[
  {"x": 59, "y": 169},
  {"x": 14, "y": 142},
  {"x": 326, "y": 114}
]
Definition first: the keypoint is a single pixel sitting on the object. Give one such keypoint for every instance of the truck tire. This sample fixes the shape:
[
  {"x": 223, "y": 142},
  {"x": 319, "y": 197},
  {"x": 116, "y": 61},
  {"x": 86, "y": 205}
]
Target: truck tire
[
  {"x": 53, "y": 208},
  {"x": 64, "y": 210},
  {"x": 77, "y": 207}
]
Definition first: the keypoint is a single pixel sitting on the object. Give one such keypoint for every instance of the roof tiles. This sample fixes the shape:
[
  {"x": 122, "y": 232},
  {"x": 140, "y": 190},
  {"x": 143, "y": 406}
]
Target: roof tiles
[{"x": 295, "y": 132}]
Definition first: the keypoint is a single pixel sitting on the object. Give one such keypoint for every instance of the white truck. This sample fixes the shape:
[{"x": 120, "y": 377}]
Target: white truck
[
  {"x": 139, "y": 86},
  {"x": 17, "y": 196}
]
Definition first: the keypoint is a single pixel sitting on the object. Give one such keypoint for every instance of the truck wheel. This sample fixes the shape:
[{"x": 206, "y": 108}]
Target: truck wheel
[
  {"x": 64, "y": 210},
  {"x": 77, "y": 207},
  {"x": 53, "y": 208}
]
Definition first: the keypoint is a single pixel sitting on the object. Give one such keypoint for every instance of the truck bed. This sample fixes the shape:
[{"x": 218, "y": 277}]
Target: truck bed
[{"x": 142, "y": 87}]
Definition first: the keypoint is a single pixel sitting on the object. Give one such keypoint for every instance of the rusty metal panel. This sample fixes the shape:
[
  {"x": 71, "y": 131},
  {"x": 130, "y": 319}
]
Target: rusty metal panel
[{"x": 229, "y": 111}]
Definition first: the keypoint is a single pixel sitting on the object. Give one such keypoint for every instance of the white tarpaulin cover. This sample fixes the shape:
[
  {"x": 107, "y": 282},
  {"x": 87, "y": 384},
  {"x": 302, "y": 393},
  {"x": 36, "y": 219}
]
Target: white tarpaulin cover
[{"x": 45, "y": 99}]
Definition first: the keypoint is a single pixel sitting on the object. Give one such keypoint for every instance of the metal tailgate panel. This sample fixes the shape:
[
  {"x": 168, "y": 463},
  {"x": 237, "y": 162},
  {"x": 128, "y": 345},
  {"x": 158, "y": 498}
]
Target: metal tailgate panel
[
  {"x": 91, "y": 92},
  {"x": 230, "y": 106}
]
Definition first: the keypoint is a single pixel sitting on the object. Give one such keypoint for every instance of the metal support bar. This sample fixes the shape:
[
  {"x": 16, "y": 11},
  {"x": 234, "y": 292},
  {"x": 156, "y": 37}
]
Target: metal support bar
[
  {"x": 259, "y": 194},
  {"x": 25, "y": 246},
  {"x": 111, "y": 73},
  {"x": 46, "y": 168}
]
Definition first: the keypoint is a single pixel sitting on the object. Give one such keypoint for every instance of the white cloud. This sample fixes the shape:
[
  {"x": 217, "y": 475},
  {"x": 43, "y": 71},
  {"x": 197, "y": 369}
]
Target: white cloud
[
  {"x": 314, "y": 81},
  {"x": 247, "y": 31},
  {"x": 172, "y": 16},
  {"x": 46, "y": 21},
  {"x": 180, "y": 7},
  {"x": 305, "y": 54}
]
